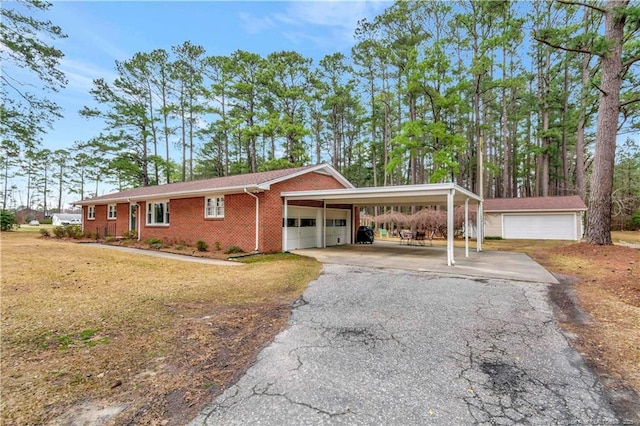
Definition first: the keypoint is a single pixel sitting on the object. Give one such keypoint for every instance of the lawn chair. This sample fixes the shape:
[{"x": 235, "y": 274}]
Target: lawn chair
[
  {"x": 383, "y": 233},
  {"x": 405, "y": 237}
]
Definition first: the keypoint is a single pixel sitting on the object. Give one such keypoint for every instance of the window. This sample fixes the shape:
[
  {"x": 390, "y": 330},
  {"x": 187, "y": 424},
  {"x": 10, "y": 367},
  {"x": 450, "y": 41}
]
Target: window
[
  {"x": 214, "y": 207},
  {"x": 341, "y": 222},
  {"x": 291, "y": 222},
  {"x": 329, "y": 222},
  {"x": 112, "y": 211},
  {"x": 91, "y": 212},
  {"x": 158, "y": 213},
  {"x": 307, "y": 223}
]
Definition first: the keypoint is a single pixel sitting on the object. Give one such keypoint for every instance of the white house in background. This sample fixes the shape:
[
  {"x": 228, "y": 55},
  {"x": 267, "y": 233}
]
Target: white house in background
[
  {"x": 534, "y": 218},
  {"x": 62, "y": 219}
]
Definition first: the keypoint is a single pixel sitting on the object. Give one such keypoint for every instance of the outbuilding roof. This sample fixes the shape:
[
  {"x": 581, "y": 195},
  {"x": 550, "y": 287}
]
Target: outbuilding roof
[
  {"x": 563, "y": 203},
  {"x": 253, "y": 182}
]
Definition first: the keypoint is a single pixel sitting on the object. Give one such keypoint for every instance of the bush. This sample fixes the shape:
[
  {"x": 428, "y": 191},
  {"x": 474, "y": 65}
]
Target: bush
[
  {"x": 130, "y": 235},
  {"x": 73, "y": 231},
  {"x": 218, "y": 245},
  {"x": 8, "y": 221},
  {"x": 110, "y": 239},
  {"x": 635, "y": 220},
  {"x": 59, "y": 231},
  {"x": 45, "y": 232},
  {"x": 46, "y": 221},
  {"x": 180, "y": 247},
  {"x": 154, "y": 242},
  {"x": 202, "y": 246},
  {"x": 234, "y": 249}
]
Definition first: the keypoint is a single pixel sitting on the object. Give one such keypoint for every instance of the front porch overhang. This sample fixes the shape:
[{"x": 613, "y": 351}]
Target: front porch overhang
[{"x": 441, "y": 194}]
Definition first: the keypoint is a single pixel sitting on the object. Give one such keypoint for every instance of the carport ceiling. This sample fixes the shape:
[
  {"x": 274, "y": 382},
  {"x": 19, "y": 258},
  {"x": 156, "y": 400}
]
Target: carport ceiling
[{"x": 406, "y": 195}]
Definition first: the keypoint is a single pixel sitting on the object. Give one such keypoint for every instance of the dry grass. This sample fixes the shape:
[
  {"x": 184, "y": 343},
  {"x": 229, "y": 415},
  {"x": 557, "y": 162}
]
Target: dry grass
[
  {"x": 626, "y": 236},
  {"x": 86, "y": 324}
]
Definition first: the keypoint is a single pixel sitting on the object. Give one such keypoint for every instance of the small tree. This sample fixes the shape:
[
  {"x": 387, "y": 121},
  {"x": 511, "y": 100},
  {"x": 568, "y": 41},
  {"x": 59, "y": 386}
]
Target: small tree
[{"x": 8, "y": 221}]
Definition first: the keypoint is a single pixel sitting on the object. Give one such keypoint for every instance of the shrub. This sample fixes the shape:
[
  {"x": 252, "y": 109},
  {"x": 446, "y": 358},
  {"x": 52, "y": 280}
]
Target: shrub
[
  {"x": 635, "y": 220},
  {"x": 218, "y": 245},
  {"x": 59, "y": 231},
  {"x": 45, "y": 233},
  {"x": 46, "y": 221},
  {"x": 234, "y": 249},
  {"x": 8, "y": 221},
  {"x": 110, "y": 239},
  {"x": 73, "y": 231},
  {"x": 154, "y": 242},
  {"x": 130, "y": 235},
  {"x": 180, "y": 247},
  {"x": 202, "y": 246}
]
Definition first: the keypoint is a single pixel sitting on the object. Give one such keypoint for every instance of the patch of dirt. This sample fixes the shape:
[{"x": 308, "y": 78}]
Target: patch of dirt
[
  {"x": 175, "y": 249},
  {"x": 598, "y": 304},
  {"x": 209, "y": 353}
]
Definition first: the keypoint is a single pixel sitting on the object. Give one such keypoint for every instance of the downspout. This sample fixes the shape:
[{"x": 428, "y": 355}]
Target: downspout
[{"x": 257, "y": 215}]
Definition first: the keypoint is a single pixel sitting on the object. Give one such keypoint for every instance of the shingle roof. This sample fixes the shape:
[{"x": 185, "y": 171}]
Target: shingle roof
[
  {"x": 573, "y": 202},
  {"x": 215, "y": 184}
]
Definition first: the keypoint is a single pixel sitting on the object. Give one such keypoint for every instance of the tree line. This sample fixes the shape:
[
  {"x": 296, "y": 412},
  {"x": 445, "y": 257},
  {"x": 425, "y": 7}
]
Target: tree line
[{"x": 497, "y": 96}]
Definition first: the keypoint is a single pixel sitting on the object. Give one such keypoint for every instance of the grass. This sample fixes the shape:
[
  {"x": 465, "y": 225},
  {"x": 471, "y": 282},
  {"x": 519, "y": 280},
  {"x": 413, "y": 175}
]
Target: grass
[
  {"x": 76, "y": 321},
  {"x": 626, "y": 236}
]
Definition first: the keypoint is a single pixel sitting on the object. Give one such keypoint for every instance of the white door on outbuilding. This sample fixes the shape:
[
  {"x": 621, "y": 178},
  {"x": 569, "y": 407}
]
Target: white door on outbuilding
[{"x": 540, "y": 226}]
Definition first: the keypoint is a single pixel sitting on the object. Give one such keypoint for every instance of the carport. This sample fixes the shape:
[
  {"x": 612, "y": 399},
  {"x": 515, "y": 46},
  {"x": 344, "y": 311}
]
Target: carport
[{"x": 442, "y": 194}]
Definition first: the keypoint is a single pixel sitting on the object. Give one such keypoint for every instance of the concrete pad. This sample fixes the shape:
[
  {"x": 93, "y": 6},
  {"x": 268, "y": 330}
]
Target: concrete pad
[{"x": 388, "y": 254}]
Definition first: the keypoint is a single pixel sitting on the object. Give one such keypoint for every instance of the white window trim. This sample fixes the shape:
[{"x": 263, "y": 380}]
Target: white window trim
[
  {"x": 110, "y": 210},
  {"x": 167, "y": 216},
  {"x": 216, "y": 207},
  {"x": 91, "y": 212}
]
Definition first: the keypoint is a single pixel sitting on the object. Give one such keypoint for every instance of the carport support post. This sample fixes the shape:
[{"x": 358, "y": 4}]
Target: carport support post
[
  {"x": 450, "y": 260},
  {"x": 479, "y": 227},
  {"x": 466, "y": 227},
  {"x": 324, "y": 223},
  {"x": 284, "y": 233}
]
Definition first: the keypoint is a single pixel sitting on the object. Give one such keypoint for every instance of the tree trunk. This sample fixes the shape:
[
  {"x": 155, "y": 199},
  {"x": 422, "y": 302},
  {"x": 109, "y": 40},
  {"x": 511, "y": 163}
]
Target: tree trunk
[
  {"x": 598, "y": 230},
  {"x": 581, "y": 185}
]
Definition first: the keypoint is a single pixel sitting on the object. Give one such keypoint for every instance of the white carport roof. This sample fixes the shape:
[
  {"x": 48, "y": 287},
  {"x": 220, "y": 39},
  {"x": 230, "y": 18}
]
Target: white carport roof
[{"x": 444, "y": 194}]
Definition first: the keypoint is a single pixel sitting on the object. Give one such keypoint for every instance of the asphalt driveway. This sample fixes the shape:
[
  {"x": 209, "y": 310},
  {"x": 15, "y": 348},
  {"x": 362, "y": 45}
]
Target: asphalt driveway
[{"x": 389, "y": 346}]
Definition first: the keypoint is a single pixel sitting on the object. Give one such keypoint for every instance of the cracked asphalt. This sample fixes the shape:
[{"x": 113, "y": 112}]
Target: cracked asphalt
[{"x": 378, "y": 346}]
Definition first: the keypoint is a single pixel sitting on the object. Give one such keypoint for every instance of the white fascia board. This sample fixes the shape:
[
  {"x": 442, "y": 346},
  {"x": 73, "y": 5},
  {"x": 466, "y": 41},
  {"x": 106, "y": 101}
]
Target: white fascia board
[
  {"x": 333, "y": 172},
  {"x": 467, "y": 193},
  {"x": 523, "y": 211},
  {"x": 377, "y": 192},
  {"x": 174, "y": 195}
]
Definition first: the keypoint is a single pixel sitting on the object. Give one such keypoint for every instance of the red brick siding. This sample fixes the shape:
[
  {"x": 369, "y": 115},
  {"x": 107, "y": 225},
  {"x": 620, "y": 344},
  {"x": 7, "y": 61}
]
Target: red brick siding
[
  {"x": 271, "y": 215},
  {"x": 101, "y": 225},
  {"x": 187, "y": 223}
]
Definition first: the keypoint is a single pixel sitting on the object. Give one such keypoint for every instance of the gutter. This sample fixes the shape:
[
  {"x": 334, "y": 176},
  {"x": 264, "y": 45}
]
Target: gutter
[{"x": 257, "y": 215}]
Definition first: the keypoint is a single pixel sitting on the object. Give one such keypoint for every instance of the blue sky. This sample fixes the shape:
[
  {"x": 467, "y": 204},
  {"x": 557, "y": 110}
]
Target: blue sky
[{"x": 99, "y": 33}]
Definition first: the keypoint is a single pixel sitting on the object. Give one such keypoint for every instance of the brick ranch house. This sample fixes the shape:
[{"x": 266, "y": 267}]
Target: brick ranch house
[{"x": 246, "y": 211}]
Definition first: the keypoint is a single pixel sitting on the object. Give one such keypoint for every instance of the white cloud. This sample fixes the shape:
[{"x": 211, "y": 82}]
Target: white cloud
[
  {"x": 326, "y": 24},
  {"x": 81, "y": 74},
  {"x": 254, "y": 25}
]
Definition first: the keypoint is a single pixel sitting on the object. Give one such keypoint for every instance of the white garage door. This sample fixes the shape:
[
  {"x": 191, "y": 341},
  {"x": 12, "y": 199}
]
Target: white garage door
[
  {"x": 338, "y": 228},
  {"x": 539, "y": 227},
  {"x": 302, "y": 228}
]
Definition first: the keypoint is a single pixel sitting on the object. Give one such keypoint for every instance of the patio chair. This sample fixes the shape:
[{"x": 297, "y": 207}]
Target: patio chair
[{"x": 405, "y": 237}]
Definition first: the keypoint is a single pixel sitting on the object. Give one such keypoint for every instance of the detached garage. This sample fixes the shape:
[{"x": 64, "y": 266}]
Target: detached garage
[{"x": 534, "y": 218}]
